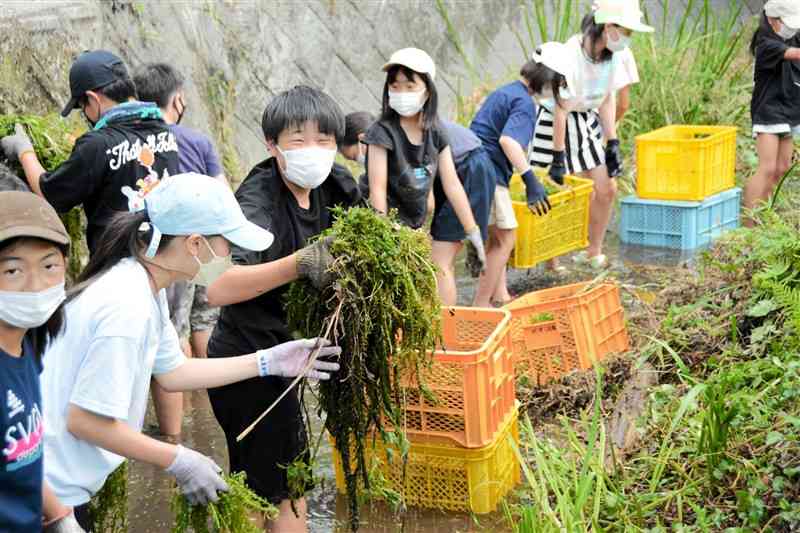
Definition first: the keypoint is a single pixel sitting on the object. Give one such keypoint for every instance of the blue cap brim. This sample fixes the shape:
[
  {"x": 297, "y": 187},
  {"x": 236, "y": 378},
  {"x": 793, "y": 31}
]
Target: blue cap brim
[{"x": 250, "y": 237}]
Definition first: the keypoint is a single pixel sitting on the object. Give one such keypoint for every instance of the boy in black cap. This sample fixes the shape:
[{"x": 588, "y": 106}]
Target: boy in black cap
[{"x": 128, "y": 141}]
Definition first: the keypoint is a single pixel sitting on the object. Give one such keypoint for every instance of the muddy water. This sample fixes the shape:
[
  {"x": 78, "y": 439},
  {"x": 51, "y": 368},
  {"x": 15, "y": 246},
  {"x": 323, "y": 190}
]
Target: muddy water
[{"x": 150, "y": 489}]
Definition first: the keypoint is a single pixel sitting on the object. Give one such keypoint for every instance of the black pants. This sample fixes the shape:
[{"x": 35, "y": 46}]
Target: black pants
[{"x": 84, "y": 517}]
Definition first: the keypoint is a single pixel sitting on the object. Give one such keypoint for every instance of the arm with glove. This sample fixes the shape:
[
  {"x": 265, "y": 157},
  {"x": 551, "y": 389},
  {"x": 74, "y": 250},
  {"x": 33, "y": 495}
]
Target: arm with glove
[
  {"x": 18, "y": 147},
  {"x": 608, "y": 121}
]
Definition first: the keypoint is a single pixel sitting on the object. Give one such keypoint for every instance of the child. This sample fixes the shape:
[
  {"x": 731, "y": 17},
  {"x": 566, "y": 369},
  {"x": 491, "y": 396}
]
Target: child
[
  {"x": 775, "y": 106},
  {"x": 569, "y": 136},
  {"x": 118, "y": 335},
  {"x": 504, "y": 124},
  {"x": 290, "y": 194},
  {"x": 476, "y": 172},
  {"x": 33, "y": 248},
  {"x": 355, "y": 129},
  {"x": 407, "y": 147}
]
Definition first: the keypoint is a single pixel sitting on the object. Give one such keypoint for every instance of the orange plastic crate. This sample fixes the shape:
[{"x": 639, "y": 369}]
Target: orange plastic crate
[
  {"x": 555, "y": 331},
  {"x": 472, "y": 379},
  {"x": 446, "y": 476}
]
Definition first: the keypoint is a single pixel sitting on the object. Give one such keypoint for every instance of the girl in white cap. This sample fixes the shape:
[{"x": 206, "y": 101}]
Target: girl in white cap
[
  {"x": 775, "y": 106},
  {"x": 571, "y": 133},
  {"x": 407, "y": 148},
  {"x": 119, "y": 334}
]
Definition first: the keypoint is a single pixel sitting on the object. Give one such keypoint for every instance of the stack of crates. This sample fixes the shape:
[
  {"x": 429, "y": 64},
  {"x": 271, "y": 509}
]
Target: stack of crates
[
  {"x": 686, "y": 194},
  {"x": 462, "y": 436}
]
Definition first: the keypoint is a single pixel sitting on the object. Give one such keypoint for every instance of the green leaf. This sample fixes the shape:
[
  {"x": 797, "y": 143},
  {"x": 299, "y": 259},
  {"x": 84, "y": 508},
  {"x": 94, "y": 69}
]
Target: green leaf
[
  {"x": 774, "y": 437},
  {"x": 762, "y": 308}
]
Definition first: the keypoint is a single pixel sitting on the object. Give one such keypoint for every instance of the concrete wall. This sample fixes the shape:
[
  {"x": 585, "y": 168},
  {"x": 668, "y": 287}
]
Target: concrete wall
[{"x": 237, "y": 53}]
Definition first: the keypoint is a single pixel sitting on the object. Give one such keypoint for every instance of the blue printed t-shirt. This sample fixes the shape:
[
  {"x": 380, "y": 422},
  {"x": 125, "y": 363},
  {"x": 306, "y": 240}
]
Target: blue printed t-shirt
[
  {"x": 21, "y": 427},
  {"x": 195, "y": 152},
  {"x": 508, "y": 111}
]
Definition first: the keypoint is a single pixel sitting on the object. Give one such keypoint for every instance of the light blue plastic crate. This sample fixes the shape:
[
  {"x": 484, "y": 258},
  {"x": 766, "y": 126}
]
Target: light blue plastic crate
[{"x": 679, "y": 225}]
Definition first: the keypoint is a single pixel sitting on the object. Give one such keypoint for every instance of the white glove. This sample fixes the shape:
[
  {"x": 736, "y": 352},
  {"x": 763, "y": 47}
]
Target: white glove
[
  {"x": 291, "y": 358},
  {"x": 476, "y": 239},
  {"x": 197, "y": 476},
  {"x": 66, "y": 524}
]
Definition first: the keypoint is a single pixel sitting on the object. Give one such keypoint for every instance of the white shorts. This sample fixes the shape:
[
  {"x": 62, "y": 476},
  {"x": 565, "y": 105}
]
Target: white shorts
[
  {"x": 502, "y": 213},
  {"x": 782, "y": 130}
]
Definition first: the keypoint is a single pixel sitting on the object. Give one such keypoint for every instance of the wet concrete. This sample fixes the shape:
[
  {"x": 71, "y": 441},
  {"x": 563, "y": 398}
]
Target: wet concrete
[{"x": 150, "y": 489}]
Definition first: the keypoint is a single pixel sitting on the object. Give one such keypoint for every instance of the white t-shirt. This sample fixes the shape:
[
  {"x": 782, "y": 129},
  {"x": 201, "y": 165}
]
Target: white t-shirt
[
  {"x": 629, "y": 73},
  {"x": 117, "y": 335},
  {"x": 590, "y": 83}
]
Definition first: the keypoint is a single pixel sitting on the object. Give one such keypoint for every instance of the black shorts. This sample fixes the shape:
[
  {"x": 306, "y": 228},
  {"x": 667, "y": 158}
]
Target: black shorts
[{"x": 277, "y": 440}]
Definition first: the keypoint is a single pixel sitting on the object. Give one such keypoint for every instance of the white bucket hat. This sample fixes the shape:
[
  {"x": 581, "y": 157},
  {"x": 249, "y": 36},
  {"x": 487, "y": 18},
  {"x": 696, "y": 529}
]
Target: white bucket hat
[
  {"x": 786, "y": 10},
  {"x": 556, "y": 56},
  {"x": 413, "y": 58},
  {"x": 625, "y": 13}
]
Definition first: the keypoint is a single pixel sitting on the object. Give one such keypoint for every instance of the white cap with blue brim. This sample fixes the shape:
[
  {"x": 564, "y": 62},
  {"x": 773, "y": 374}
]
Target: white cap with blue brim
[{"x": 190, "y": 203}]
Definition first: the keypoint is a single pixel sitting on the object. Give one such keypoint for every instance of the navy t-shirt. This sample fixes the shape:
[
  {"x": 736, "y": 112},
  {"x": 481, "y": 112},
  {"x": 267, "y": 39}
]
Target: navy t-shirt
[
  {"x": 508, "y": 111},
  {"x": 195, "y": 152},
  {"x": 21, "y": 428}
]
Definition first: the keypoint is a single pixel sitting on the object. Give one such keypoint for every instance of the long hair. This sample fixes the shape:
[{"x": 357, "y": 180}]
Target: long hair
[
  {"x": 431, "y": 108},
  {"x": 764, "y": 28},
  {"x": 593, "y": 32},
  {"x": 126, "y": 235},
  {"x": 41, "y": 337}
]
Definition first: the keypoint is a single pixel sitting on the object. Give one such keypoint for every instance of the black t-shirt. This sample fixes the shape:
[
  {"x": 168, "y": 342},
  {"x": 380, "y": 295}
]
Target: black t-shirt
[
  {"x": 776, "y": 95},
  {"x": 265, "y": 200},
  {"x": 411, "y": 167},
  {"x": 102, "y": 162}
]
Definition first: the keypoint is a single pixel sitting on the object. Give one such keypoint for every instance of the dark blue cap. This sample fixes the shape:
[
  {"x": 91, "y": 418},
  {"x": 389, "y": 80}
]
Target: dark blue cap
[{"x": 91, "y": 70}]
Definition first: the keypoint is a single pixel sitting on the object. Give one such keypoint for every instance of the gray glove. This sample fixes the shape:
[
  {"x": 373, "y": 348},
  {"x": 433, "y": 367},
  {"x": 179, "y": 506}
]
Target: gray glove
[
  {"x": 198, "y": 476},
  {"x": 67, "y": 524},
  {"x": 314, "y": 262},
  {"x": 17, "y": 144},
  {"x": 290, "y": 358},
  {"x": 475, "y": 238}
]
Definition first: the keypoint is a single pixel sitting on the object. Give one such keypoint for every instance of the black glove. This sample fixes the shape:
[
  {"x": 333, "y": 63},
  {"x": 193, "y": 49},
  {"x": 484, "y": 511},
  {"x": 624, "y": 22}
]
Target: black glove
[
  {"x": 613, "y": 158},
  {"x": 558, "y": 168},
  {"x": 537, "y": 196}
]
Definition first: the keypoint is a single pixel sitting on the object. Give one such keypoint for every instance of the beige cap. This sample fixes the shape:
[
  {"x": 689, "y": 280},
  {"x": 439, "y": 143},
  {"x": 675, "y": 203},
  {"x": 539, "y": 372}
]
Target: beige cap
[
  {"x": 23, "y": 214},
  {"x": 413, "y": 58},
  {"x": 625, "y": 13},
  {"x": 786, "y": 10}
]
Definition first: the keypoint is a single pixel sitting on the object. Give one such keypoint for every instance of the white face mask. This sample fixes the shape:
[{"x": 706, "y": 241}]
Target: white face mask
[
  {"x": 308, "y": 167},
  {"x": 209, "y": 272},
  {"x": 621, "y": 43},
  {"x": 785, "y": 32},
  {"x": 361, "y": 158},
  {"x": 407, "y": 104},
  {"x": 27, "y": 310}
]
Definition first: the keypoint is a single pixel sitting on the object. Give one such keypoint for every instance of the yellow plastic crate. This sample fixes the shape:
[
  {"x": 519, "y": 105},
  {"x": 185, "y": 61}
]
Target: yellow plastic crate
[
  {"x": 444, "y": 476},
  {"x": 687, "y": 163},
  {"x": 562, "y": 230}
]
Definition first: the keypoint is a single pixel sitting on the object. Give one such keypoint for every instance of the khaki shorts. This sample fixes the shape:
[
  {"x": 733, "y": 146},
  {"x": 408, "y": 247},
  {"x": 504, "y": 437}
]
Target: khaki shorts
[{"x": 502, "y": 213}]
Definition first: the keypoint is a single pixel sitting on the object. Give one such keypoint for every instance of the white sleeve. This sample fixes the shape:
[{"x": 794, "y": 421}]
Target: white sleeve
[
  {"x": 625, "y": 70},
  {"x": 169, "y": 355},
  {"x": 107, "y": 376}
]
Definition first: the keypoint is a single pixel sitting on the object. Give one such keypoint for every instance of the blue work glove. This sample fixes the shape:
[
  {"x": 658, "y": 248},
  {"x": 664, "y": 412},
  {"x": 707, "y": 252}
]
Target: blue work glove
[
  {"x": 558, "y": 168},
  {"x": 613, "y": 158},
  {"x": 537, "y": 196}
]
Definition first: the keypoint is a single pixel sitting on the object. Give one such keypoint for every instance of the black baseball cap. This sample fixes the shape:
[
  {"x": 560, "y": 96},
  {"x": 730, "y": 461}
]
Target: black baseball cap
[{"x": 91, "y": 70}]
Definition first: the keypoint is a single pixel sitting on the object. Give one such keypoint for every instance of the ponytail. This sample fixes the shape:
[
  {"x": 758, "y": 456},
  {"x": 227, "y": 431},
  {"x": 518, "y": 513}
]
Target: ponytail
[{"x": 126, "y": 235}]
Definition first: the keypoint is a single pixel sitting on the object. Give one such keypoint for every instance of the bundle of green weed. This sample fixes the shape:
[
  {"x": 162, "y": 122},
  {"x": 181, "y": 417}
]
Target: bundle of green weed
[
  {"x": 719, "y": 446},
  {"x": 109, "y": 507},
  {"x": 231, "y": 514},
  {"x": 388, "y": 323},
  {"x": 52, "y": 138}
]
